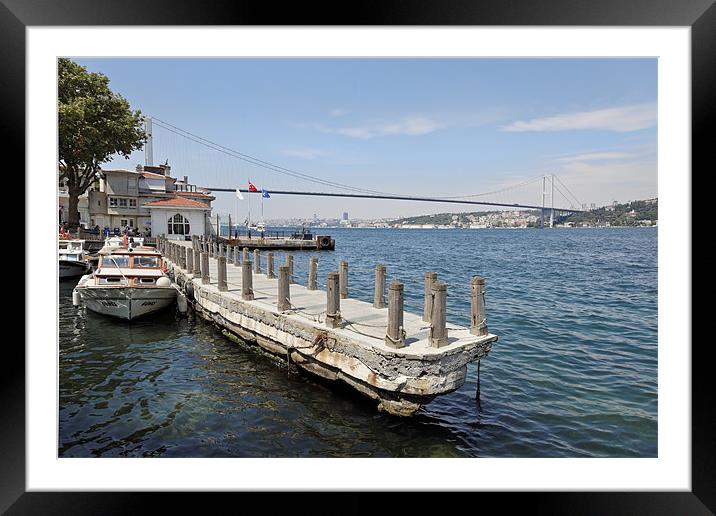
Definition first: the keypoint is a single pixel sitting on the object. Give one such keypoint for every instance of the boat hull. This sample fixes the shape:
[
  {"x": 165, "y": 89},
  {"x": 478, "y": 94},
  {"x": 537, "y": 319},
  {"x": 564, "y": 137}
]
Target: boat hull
[
  {"x": 73, "y": 269},
  {"x": 126, "y": 302}
]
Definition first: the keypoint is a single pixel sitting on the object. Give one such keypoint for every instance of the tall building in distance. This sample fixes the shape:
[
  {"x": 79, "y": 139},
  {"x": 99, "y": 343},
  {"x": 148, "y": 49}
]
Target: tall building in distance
[{"x": 345, "y": 215}]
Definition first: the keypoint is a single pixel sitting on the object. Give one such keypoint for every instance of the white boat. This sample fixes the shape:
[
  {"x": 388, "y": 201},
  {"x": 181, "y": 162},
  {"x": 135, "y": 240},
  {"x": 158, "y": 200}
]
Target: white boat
[
  {"x": 72, "y": 259},
  {"x": 118, "y": 241},
  {"x": 258, "y": 227},
  {"x": 129, "y": 282}
]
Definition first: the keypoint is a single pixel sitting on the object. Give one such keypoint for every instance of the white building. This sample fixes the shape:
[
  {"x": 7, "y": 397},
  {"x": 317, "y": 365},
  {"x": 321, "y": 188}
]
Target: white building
[
  {"x": 179, "y": 217},
  {"x": 141, "y": 199}
]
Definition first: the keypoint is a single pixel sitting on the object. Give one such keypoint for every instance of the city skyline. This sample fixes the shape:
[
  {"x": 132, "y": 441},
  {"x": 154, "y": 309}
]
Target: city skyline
[{"x": 428, "y": 127}]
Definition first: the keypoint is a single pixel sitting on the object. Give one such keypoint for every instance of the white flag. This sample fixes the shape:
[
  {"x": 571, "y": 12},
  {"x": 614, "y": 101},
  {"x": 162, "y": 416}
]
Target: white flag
[{"x": 238, "y": 194}]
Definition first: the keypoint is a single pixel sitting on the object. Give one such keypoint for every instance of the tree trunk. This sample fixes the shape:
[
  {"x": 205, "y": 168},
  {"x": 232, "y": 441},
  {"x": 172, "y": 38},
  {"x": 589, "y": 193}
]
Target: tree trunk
[{"x": 73, "y": 215}]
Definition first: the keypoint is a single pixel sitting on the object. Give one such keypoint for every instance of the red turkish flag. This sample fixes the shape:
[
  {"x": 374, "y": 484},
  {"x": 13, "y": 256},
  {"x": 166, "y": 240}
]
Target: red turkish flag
[{"x": 252, "y": 188}]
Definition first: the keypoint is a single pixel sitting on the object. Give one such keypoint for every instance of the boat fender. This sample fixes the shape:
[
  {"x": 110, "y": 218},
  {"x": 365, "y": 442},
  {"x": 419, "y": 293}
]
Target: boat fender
[
  {"x": 164, "y": 282},
  {"x": 75, "y": 298},
  {"x": 182, "y": 304}
]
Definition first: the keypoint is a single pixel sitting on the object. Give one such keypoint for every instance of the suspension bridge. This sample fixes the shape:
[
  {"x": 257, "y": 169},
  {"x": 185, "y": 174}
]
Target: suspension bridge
[{"x": 219, "y": 162}]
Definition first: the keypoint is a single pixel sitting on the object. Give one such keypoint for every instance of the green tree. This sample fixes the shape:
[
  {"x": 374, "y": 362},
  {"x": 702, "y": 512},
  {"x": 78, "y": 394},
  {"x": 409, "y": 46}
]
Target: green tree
[{"x": 94, "y": 124}]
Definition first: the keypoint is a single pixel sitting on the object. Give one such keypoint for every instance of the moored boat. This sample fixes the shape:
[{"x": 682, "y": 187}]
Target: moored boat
[
  {"x": 129, "y": 282},
  {"x": 72, "y": 259}
]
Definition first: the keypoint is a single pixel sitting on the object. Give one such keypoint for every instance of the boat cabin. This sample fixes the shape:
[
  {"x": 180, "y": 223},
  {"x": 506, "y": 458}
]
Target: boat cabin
[
  {"x": 138, "y": 266},
  {"x": 71, "y": 250}
]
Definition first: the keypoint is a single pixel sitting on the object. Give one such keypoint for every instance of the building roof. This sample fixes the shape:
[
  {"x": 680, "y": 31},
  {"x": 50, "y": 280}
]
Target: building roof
[
  {"x": 177, "y": 202},
  {"x": 194, "y": 194},
  {"x": 152, "y": 174}
]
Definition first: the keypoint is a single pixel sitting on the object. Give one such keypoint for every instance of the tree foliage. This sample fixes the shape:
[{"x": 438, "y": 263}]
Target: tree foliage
[{"x": 94, "y": 124}]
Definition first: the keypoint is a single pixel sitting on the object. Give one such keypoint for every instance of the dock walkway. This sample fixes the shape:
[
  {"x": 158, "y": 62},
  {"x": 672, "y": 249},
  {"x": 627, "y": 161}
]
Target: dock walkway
[{"x": 356, "y": 352}]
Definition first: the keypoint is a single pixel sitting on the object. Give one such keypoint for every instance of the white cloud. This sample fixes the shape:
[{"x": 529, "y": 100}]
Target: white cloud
[
  {"x": 338, "y": 112},
  {"x": 303, "y": 152},
  {"x": 595, "y": 156},
  {"x": 619, "y": 119},
  {"x": 411, "y": 126}
]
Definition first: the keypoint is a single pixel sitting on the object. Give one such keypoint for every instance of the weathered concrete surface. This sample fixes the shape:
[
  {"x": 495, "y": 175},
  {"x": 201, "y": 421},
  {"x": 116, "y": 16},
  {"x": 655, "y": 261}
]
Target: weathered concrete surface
[{"x": 401, "y": 380}]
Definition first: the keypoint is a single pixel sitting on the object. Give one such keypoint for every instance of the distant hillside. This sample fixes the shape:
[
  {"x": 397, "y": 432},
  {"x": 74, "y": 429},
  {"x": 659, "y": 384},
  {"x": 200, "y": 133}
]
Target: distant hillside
[
  {"x": 447, "y": 218},
  {"x": 634, "y": 213}
]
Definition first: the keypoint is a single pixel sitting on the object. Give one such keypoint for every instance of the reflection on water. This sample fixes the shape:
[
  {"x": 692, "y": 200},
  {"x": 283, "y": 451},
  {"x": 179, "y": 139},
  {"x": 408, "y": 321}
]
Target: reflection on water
[{"x": 573, "y": 374}]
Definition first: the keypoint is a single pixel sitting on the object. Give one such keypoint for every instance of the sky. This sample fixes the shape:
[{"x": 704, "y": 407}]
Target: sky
[{"x": 424, "y": 127}]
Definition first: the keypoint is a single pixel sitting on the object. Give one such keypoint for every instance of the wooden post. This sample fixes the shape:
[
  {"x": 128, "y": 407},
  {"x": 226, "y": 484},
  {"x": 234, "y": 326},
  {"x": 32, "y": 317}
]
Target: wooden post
[
  {"x": 343, "y": 273},
  {"x": 181, "y": 251},
  {"x": 205, "y": 268},
  {"x": 269, "y": 265},
  {"x": 478, "y": 319},
  {"x": 438, "y": 324},
  {"x": 257, "y": 261},
  {"x": 284, "y": 290},
  {"x": 289, "y": 262},
  {"x": 312, "y": 272},
  {"x": 247, "y": 290},
  {"x": 333, "y": 301},
  {"x": 379, "y": 292},
  {"x": 196, "y": 269},
  {"x": 221, "y": 265},
  {"x": 246, "y": 253},
  {"x": 395, "y": 334},
  {"x": 237, "y": 256},
  {"x": 222, "y": 250},
  {"x": 430, "y": 278}
]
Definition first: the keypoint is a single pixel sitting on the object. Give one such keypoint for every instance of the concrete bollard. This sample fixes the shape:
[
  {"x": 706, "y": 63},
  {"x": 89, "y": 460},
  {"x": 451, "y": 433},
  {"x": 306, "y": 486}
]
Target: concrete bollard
[
  {"x": 438, "y": 323},
  {"x": 395, "y": 333},
  {"x": 196, "y": 269},
  {"x": 430, "y": 278},
  {"x": 247, "y": 285},
  {"x": 343, "y": 274},
  {"x": 246, "y": 254},
  {"x": 284, "y": 290},
  {"x": 269, "y": 265},
  {"x": 237, "y": 256},
  {"x": 312, "y": 271},
  {"x": 205, "y": 268},
  {"x": 333, "y": 301},
  {"x": 221, "y": 275},
  {"x": 289, "y": 262},
  {"x": 478, "y": 319},
  {"x": 379, "y": 292},
  {"x": 257, "y": 261}
]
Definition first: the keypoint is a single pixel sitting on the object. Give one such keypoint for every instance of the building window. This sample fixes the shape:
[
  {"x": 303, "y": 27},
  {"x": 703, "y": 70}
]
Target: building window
[
  {"x": 123, "y": 223},
  {"x": 123, "y": 203},
  {"x": 113, "y": 202},
  {"x": 178, "y": 225},
  {"x": 133, "y": 203}
]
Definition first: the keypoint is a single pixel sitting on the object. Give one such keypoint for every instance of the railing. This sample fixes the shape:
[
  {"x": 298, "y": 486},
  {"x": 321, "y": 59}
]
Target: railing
[{"x": 251, "y": 234}]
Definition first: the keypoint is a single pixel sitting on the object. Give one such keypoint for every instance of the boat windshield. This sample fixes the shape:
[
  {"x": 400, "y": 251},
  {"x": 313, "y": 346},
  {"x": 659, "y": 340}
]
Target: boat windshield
[
  {"x": 142, "y": 262},
  {"x": 115, "y": 261}
]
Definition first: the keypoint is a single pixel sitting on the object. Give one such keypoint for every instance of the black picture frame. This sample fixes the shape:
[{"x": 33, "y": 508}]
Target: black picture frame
[{"x": 700, "y": 15}]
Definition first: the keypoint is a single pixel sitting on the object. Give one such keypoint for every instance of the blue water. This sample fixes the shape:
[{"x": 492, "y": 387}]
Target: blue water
[{"x": 574, "y": 373}]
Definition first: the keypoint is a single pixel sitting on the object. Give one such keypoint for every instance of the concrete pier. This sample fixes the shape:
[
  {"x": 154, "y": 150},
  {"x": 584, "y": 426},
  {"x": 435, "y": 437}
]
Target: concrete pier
[{"x": 432, "y": 359}]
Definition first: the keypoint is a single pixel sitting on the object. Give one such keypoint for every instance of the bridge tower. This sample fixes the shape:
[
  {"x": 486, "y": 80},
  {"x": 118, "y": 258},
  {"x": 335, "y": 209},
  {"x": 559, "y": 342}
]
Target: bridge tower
[
  {"x": 148, "y": 151},
  {"x": 545, "y": 193}
]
